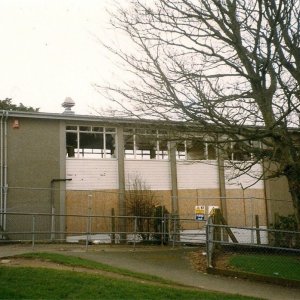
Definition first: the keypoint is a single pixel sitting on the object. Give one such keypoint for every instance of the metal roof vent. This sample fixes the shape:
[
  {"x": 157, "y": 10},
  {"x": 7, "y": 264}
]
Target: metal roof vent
[{"x": 67, "y": 105}]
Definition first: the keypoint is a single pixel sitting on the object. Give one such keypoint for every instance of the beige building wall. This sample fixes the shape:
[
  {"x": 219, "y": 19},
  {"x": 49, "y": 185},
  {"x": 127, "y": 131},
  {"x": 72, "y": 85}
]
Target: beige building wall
[
  {"x": 243, "y": 206},
  {"x": 34, "y": 160},
  {"x": 241, "y": 209},
  {"x": 278, "y": 198},
  {"x": 90, "y": 203},
  {"x": 99, "y": 205}
]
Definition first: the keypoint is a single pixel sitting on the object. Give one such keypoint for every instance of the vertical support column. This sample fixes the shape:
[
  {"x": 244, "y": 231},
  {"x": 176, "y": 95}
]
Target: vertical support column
[
  {"x": 121, "y": 177},
  {"x": 62, "y": 174},
  {"x": 222, "y": 187},
  {"x": 174, "y": 191},
  {"x": 267, "y": 196},
  {"x": 33, "y": 231},
  {"x": 174, "y": 186}
]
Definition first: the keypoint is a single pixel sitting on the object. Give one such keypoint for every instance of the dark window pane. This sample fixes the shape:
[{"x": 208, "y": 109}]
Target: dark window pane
[
  {"x": 110, "y": 130},
  {"x": 211, "y": 152},
  {"x": 196, "y": 150},
  {"x": 71, "y": 143},
  {"x": 110, "y": 145},
  {"x": 85, "y": 128},
  {"x": 97, "y": 129},
  {"x": 91, "y": 140},
  {"x": 74, "y": 128}
]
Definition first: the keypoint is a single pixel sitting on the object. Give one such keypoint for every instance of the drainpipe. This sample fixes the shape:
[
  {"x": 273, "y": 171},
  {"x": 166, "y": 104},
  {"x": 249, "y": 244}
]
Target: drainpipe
[
  {"x": 52, "y": 204},
  {"x": 1, "y": 169},
  {"x": 5, "y": 185}
]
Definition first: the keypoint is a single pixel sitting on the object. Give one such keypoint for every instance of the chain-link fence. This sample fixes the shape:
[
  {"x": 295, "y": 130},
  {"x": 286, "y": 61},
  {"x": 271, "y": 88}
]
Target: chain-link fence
[{"x": 260, "y": 252}]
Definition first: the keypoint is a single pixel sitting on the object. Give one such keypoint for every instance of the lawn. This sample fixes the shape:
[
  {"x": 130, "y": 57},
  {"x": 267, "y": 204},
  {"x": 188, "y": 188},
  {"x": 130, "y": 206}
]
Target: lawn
[
  {"x": 89, "y": 264},
  {"x": 42, "y": 283},
  {"x": 268, "y": 265}
]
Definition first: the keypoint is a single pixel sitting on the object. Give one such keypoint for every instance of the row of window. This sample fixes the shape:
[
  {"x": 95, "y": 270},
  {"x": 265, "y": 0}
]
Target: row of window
[{"x": 100, "y": 142}]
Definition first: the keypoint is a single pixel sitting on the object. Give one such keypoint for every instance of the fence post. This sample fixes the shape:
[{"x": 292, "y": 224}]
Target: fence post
[
  {"x": 33, "y": 231},
  {"x": 252, "y": 220},
  {"x": 88, "y": 229},
  {"x": 165, "y": 227},
  {"x": 113, "y": 226},
  {"x": 162, "y": 231},
  {"x": 217, "y": 230},
  {"x": 257, "y": 230},
  {"x": 134, "y": 233},
  {"x": 209, "y": 241},
  {"x": 174, "y": 231},
  {"x": 169, "y": 228},
  {"x": 88, "y": 232}
]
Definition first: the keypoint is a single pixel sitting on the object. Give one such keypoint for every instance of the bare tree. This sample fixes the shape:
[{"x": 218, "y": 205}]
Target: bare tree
[
  {"x": 231, "y": 67},
  {"x": 141, "y": 203}
]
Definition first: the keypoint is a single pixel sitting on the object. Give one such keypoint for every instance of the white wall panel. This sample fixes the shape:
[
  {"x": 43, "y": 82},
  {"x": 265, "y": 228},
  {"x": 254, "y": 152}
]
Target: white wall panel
[
  {"x": 103, "y": 174},
  {"x": 155, "y": 173},
  {"x": 197, "y": 175},
  {"x": 246, "y": 181},
  {"x": 92, "y": 174}
]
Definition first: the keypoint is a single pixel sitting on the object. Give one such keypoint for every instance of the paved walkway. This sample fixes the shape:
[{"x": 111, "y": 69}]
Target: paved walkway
[{"x": 171, "y": 264}]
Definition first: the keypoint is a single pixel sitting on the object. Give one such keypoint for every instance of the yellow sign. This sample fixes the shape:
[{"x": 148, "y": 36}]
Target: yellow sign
[{"x": 200, "y": 212}]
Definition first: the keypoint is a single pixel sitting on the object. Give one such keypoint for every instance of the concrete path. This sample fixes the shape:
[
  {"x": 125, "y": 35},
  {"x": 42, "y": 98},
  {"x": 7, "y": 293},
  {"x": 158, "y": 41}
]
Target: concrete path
[{"x": 171, "y": 264}]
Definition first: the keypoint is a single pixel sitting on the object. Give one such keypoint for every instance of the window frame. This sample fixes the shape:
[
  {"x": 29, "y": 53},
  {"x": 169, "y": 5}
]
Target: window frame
[
  {"x": 138, "y": 154},
  {"x": 103, "y": 154}
]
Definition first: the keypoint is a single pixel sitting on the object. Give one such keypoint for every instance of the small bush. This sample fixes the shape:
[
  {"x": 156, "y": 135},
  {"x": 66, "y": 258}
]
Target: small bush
[{"x": 284, "y": 239}]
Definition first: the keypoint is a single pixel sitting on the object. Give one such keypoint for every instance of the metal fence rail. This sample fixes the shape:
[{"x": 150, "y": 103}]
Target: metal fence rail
[{"x": 100, "y": 229}]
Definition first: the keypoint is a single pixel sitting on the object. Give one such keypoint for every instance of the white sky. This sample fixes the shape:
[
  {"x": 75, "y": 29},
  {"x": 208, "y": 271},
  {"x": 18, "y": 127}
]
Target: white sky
[{"x": 49, "y": 51}]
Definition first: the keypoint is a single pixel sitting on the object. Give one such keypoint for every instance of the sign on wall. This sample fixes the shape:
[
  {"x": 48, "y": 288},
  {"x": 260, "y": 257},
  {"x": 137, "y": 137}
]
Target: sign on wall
[{"x": 200, "y": 213}]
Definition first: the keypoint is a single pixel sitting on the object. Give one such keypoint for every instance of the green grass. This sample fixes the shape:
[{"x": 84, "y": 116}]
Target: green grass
[
  {"x": 268, "y": 265},
  {"x": 42, "y": 283},
  {"x": 90, "y": 264}
]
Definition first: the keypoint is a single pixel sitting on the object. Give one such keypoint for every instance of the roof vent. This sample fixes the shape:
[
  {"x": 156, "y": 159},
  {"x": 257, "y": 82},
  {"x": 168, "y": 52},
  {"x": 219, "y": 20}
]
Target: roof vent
[{"x": 67, "y": 105}]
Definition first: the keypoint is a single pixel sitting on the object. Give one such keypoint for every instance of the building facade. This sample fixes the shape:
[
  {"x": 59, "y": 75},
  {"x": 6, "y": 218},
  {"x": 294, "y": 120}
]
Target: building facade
[{"x": 67, "y": 164}]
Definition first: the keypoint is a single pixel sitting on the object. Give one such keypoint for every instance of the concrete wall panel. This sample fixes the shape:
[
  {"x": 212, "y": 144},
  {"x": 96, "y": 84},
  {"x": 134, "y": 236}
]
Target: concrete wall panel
[
  {"x": 154, "y": 173},
  {"x": 246, "y": 181},
  {"x": 92, "y": 174},
  {"x": 197, "y": 175}
]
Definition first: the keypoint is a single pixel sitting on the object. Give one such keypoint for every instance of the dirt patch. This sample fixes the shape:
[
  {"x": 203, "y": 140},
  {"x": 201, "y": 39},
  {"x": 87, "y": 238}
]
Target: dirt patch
[
  {"x": 221, "y": 260},
  {"x": 198, "y": 260}
]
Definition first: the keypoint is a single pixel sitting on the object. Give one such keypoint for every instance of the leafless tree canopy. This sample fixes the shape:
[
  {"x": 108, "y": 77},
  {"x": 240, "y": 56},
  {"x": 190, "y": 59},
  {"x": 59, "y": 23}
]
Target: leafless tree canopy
[{"x": 231, "y": 66}]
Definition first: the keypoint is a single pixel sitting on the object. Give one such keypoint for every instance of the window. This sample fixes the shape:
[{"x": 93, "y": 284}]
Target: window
[
  {"x": 238, "y": 151},
  {"x": 90, "y": 142},
  {"x": 145, "y": 144},
  {"x": 211, "y": 151},
  {"x": 196, "y": 149}
]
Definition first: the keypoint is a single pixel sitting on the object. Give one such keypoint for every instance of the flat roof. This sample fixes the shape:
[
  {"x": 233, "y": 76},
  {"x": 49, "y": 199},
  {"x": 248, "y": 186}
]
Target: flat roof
[
  {"x": 86, "y": 118},
  {"x": 119, "y": 120}
]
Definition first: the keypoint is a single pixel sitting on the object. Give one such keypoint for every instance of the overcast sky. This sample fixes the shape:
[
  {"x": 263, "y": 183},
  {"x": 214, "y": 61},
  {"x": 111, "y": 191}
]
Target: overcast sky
[{"x": 49, "y": 51}]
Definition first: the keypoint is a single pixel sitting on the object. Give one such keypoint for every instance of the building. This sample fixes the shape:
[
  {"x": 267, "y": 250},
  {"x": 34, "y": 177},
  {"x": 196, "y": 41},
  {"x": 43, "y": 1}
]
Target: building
[{"x": 69, "y": 164}]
